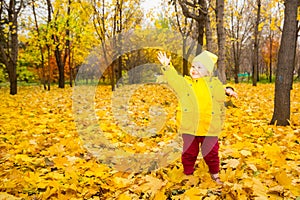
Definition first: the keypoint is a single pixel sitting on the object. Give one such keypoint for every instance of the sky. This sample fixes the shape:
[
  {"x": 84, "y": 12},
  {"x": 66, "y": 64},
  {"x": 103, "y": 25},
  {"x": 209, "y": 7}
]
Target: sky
[
  {"x": 154, "y": 5},
  {"x": 151, "y": 4}
]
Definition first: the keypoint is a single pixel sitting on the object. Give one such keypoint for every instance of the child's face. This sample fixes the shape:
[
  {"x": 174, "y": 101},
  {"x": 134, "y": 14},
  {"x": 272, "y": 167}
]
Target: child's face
[{"x": 198, "y": 71}]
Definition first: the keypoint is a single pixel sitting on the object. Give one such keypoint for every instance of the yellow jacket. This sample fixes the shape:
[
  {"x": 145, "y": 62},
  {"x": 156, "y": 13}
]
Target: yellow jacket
[{"x": 201, "y": 111}]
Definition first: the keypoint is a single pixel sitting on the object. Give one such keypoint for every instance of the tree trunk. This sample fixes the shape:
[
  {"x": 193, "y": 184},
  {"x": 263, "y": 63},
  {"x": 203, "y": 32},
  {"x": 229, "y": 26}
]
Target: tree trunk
[
  {"x": 298, "y": 73},
  {"x": 184, "y": 61},
  {"x": 119, "y": 79},
  {"x": 200, "y": 28},
  {"x": 235, "y": 50},
  {"x": 120, "y": 43},
  {"x": 221, "y": 40},
  {"x": 298, "y": 29},
  {"x": 12, "y": 68},
  {"x": 236, "y": 60},
  {"x": 114, "y": 65},
  {"x": 49, "y": 68},
  {"x": 271, "y": 50},
  {"x": 61, "y": 68},
  {"x": 14, "y": 47},
  {"x": 256, "y": 46},
  {"x": 49, "y": 9},
  {"x": 286, "y": 58},
  {"x": 12, "y": 74},
  {"x": 112, "y": 77},
  {"x": 236, "y": 70},
  {"x": 71, "y": 69},
  {"x": 68, "y": 46},
  {"x": 43, "y": 75},
  {"x": 208, "y": 31}
]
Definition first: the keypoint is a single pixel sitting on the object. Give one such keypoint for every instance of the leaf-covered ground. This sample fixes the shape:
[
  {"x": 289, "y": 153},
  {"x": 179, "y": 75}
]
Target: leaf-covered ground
[{"x": 42, "y": 155}]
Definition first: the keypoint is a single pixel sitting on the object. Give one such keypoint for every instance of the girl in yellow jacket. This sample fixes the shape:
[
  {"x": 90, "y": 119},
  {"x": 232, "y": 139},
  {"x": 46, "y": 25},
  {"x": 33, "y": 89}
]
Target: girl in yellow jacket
[{"x": 202, "y": 112}]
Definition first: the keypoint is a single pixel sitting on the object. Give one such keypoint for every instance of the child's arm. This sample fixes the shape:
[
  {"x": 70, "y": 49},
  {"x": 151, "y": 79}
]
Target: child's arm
[
  {"x": 175, "y": 80},
  {"x": 229, "y": 91}
]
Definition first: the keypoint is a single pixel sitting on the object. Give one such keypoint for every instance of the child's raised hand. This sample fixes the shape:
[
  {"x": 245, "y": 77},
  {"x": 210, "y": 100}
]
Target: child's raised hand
[
  {"x": 163, "y": 59},
  {"x": 230, "y": 92}
]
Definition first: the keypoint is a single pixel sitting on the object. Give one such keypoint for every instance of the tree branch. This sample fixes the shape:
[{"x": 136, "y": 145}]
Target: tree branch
[{"x": 186, "y": 11}]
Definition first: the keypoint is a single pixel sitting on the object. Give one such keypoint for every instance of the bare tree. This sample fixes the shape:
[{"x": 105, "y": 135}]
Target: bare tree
[
  {"x": 256, "y": 45},
  {"x": 240, "y": 32},
  {"x": 37, "y": 28},
  {"x": 62, "y": 53},
  {"x": 117, "y": 37},
  {"x": 122, "y": 16},
  {"x": 49, "y": 18},
  {"x": 196, "y": 10},
  {"x": 99, "y": 22},
  {"x": 286, "y": 61},
  {"x": 185, "y": 28}
]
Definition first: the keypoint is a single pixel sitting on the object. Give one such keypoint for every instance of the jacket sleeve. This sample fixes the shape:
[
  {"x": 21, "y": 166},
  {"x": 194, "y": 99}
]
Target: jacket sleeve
[
  {"x": 223, "y": 114},
  {"x": 221, "y": 100},
  {"x": 176, "y": 81}
]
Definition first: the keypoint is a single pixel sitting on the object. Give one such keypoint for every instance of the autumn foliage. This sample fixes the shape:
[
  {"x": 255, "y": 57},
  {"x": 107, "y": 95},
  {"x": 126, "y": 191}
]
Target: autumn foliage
[{"x": 43, "y": 157}]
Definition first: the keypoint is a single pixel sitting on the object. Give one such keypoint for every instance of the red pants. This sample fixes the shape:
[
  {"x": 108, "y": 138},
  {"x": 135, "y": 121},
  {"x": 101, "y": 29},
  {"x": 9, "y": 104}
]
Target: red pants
[{"x": 209, "y": 150}]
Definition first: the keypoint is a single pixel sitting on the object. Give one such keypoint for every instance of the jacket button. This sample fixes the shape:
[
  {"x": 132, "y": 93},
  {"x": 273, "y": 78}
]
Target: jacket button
[
  {"x": 188, "y": 94},
  {"x": 185, "y": 109},
  {"x": 212, "y": 112}
]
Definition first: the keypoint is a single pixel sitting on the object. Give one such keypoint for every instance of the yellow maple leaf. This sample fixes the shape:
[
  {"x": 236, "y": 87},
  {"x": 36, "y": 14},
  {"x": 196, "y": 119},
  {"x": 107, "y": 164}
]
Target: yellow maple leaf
[
  {"x": 176, "y": 175},
  {"x": 23, "y": 158},
  {"x": 124, "y": 197},
  {"x": 160, "y": 195},
  {"x": 295, "y": 190},
  {"x": 283, "y": 179},
  {"x": 49, "y": 192},
  {"x": 259, "y": 189},
  {"x": 233, "y": 163},
  {"x": 151, "y": 185},
  {"x": 277, "y": 191},
  {"x": 61, "y": 162},
  {"x": 253, "y": 167},
  {"x": 120, "y": 182},
  {"x": 195, "y": 193},
  {"x": 246, "y": 153}
]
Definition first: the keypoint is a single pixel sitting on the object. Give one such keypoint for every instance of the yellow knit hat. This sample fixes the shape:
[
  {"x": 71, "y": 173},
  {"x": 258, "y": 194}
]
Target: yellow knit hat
[{"x": 207, "y": 59}]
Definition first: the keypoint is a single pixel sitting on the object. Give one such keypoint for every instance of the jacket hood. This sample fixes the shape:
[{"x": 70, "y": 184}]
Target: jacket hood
[{"x": 207, "y": 59}]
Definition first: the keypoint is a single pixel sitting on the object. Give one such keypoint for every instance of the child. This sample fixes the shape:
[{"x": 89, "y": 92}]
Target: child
[{"x": 201, "y": 113}]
